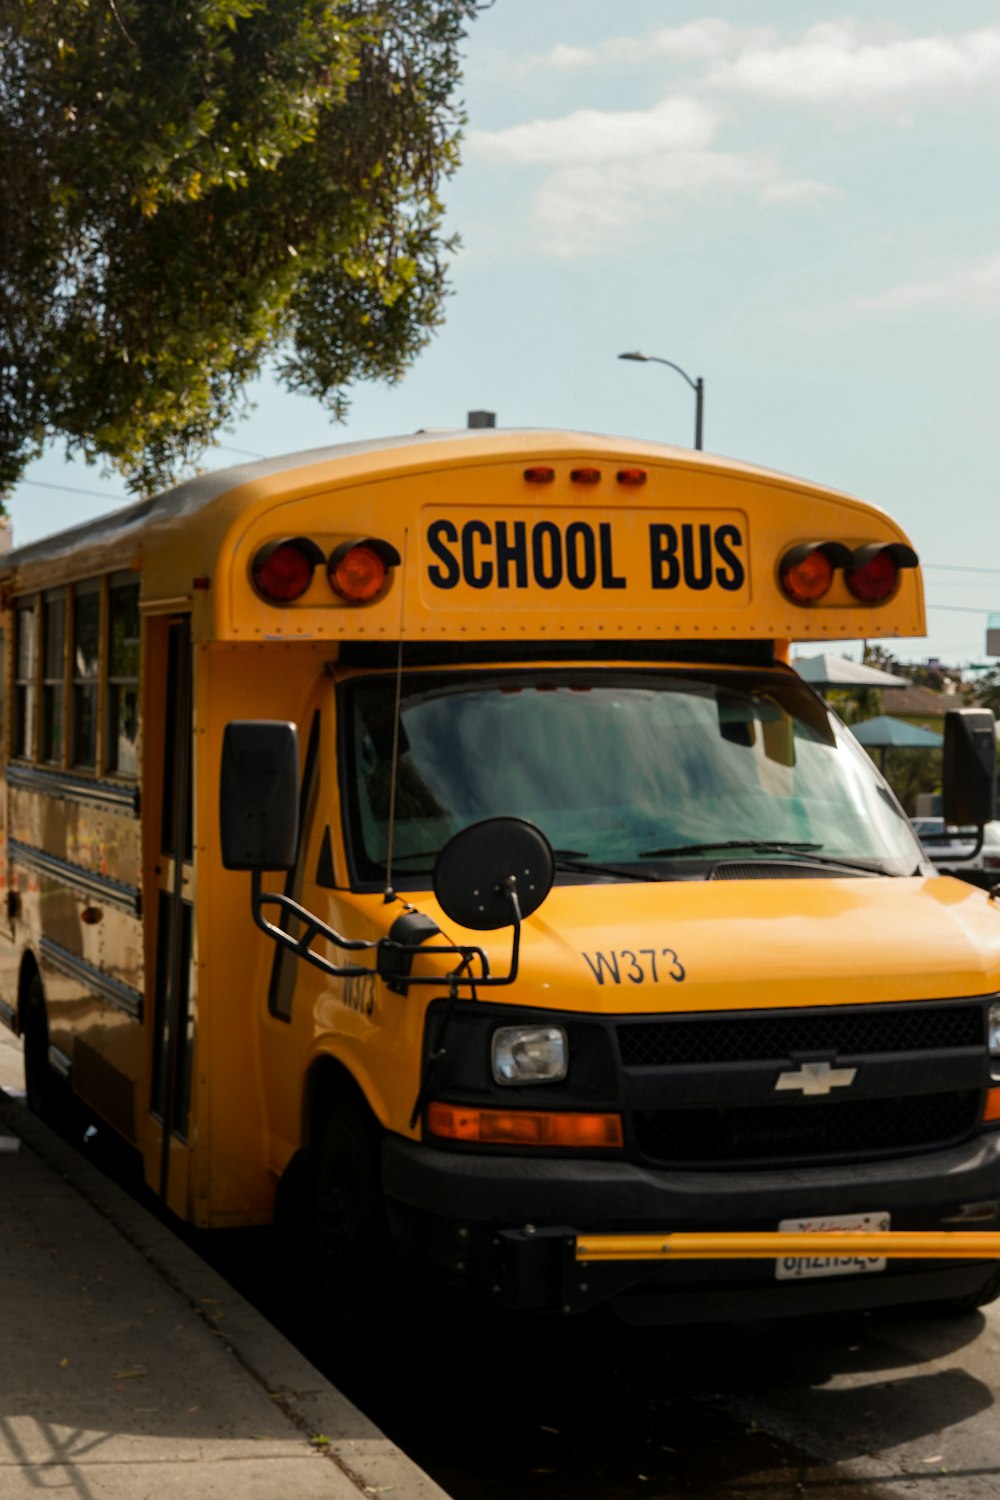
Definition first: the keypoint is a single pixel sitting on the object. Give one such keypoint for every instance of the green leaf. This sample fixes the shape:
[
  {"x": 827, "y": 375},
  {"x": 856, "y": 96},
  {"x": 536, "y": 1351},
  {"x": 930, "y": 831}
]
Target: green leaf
[{"x": 247, "y": 178}]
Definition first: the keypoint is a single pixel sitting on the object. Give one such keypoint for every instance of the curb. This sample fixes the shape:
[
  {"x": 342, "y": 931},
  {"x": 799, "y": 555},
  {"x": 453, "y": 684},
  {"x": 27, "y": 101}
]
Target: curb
[{"x": 309, "y": 1401}]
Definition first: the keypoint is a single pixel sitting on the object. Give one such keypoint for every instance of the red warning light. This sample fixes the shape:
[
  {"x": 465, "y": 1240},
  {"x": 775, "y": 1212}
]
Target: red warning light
[
  {"x": 874, "y": 571},
  {"x": 282, "y": 571}
]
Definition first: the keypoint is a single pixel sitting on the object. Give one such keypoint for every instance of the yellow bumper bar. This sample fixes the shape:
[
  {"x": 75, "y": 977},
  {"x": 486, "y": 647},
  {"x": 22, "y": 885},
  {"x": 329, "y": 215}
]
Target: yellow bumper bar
[{"x": 902, "y": 1244}]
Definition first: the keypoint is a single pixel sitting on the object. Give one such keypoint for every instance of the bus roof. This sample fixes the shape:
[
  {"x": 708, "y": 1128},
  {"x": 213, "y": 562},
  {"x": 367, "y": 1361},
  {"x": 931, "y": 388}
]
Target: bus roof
[
  {"x": 490, "y": 553},
  {"x": 193, "y": 495}
]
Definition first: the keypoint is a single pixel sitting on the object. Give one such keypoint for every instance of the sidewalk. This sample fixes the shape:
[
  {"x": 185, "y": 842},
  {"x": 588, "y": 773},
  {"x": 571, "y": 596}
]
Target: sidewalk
[{"x": 131, "y": 1371}]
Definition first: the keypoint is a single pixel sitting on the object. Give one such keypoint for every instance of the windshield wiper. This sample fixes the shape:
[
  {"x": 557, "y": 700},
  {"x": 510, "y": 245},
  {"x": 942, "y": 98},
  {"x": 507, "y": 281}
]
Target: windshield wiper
[
  {"x": 774, "y": 846},
  {"x": 765, "y": 846},
  {"x": 569, "y": 859}
]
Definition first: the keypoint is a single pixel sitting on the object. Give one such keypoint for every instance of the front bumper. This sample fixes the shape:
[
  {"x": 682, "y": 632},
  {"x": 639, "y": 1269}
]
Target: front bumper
[{"x": 509, "y": 1225}]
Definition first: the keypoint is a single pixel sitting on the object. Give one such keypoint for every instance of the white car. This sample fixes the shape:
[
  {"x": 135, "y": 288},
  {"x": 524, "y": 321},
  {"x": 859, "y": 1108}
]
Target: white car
[{"x": 947, "y": 845}]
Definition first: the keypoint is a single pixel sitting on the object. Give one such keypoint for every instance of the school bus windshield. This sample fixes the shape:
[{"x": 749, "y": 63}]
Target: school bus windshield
[{"x": 657, "y": 772}]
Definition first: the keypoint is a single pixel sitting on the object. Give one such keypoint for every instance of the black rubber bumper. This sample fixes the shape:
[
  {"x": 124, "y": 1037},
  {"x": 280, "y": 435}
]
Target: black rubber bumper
[{"x": 509, "y": 1225}]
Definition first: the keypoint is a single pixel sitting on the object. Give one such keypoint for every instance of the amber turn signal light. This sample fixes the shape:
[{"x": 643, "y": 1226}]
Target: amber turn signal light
[
  {"x": 359, "y": 572},
  {"x": 806, "y": 572},
  {"x": 523, "y": 1127}
]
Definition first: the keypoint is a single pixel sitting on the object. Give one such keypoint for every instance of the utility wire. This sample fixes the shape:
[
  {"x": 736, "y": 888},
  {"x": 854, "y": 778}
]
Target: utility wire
[
  {"x": 962, "y": 609},
  {"x": 957, "y": 568},
  {"x": 72, "y": 489}
]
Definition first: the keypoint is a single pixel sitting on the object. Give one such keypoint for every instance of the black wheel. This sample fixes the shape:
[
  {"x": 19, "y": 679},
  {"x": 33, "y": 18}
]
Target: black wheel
[
  {"x": 46, "y": 1093},
  {"x": 352, "y": 1255},
  {"x": 35, "y": 1029}
]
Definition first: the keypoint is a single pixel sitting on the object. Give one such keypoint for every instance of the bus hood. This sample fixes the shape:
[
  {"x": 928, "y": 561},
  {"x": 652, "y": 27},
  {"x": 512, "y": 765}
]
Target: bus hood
[{"x": 716, "y": 945}]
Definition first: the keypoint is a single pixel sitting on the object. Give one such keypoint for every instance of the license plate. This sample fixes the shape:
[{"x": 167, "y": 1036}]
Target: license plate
[{"x": 797, "y": 1268}]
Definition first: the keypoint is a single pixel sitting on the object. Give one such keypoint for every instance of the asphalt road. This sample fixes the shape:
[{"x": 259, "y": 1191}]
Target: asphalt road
[{"x": 857, "y": 1408}]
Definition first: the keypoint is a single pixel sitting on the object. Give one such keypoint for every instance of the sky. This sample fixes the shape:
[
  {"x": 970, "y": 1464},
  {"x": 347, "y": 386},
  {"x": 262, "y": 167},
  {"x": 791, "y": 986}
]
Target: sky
[{"x": 794, "y": 201}]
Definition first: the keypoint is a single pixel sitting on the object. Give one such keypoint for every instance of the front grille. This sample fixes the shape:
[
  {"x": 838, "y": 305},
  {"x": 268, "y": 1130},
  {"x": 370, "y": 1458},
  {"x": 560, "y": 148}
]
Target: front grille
[
  {"x": 845, "y": 1032},
  {"x": 809, "y": 1132}
]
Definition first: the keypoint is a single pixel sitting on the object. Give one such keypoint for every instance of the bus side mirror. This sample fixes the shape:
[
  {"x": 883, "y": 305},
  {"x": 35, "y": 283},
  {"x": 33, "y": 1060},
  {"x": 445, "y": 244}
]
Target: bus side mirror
[
  {"x": 969, "y": 772},
  {"x": 259, "y": 795},
  {"x": 494, "y": 873}
]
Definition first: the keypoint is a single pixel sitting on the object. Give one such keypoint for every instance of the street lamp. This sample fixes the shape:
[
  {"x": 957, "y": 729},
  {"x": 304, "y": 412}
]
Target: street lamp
[{"x": 698, "y": 386}]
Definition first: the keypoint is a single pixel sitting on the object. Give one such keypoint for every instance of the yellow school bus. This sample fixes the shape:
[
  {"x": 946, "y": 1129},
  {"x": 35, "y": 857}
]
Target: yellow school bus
[{"x": 429, "y": 842}]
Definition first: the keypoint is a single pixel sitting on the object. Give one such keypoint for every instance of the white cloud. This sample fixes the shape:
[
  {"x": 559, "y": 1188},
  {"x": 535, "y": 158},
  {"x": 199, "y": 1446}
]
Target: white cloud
[
  {"x": 694, "y": 41},
  {"x": 591, "y": 135},
  {"x": 607, "y": 173},
  {"x": 596, "y": 209},
  {"x": 845, "y": 62},
  {"x": 839, "y": 63},
  {"x": 976, "y": 285},
  {"x": 611, "y": 173}
]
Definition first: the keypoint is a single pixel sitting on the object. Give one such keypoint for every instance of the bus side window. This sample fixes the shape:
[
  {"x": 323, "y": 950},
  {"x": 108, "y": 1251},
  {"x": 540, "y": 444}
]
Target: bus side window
[
  {"x": 53, "y": 674},
  {"x": 123, "y": 677},
  {"x": 24, "y": 680},
  {"x": 86, "y": 658}
]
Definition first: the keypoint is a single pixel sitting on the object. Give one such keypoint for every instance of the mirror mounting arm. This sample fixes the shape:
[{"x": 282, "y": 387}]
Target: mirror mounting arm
[{"x": 315, "y": 928}]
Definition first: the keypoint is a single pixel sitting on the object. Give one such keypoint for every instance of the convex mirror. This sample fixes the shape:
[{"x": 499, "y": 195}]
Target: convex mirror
[{"x": 479, "y": 867}]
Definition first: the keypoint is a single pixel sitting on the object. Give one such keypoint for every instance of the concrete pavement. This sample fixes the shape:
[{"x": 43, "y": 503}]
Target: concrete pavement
[{"x": 131, "y": 1369}]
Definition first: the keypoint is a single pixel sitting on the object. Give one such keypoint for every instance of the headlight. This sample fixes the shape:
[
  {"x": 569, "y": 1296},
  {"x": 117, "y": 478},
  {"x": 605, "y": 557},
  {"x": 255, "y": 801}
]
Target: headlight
[
  {"x": 536, "y": 1054},
  {"x": 993, "y": 1037}
]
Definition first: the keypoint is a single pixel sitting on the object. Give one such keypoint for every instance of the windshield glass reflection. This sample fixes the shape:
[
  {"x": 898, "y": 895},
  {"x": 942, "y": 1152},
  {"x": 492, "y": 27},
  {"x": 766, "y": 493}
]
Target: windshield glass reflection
[{"x": 614, "y": 766}]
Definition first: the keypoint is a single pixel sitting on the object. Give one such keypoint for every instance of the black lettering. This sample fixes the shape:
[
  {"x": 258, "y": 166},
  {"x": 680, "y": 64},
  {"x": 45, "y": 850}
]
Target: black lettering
[
  {"x": 651, "y": 952},
  {"x": 609, "y": 580},
  {"x": 694, "y": 576},
  {"x": 635, "y": 974},
  {"x": 599, "y": 962},
  {"x": 359, "y": 993},
  {"x": 581, "y": 556},
  {"x": 515, "y": 552},
  {"x": 439, "y": 532},
  {"x": 548, "y": 570},
  {"x": 677, "y": 970},
  {"x": 732, "y": 575},
  {"x": 665, "y": 573},
  {"x": 476, "y": 577}
]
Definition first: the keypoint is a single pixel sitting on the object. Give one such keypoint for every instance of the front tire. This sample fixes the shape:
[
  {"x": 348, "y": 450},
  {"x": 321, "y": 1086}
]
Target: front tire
[{"x": 352, "y": 1253}]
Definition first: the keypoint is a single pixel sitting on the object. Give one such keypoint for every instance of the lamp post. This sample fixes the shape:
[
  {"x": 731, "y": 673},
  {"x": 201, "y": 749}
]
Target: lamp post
[{"x": 698, "y": 386}]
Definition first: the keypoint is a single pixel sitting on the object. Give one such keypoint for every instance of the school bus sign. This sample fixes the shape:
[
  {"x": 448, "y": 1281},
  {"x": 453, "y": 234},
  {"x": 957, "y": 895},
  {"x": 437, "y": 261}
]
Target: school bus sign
[{"x": 562, "y": 554}]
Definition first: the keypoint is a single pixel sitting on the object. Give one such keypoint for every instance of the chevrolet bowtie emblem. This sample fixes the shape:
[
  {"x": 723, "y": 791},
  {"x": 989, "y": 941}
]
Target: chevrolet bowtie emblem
[{"x": 817, "y": 1078}]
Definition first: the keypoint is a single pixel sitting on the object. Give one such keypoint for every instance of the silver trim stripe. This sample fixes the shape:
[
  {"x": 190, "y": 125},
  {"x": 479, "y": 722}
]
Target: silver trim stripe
[
  {"x": 105, "y": 887},
  {"x": 59, "y": 1062},
  {"x": 106, "y": 794},
  {"x": 122, "y": 996}
]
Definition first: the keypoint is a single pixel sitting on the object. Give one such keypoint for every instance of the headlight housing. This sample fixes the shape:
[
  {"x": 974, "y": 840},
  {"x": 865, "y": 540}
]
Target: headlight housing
[
  {"x": 993, "y": 1038},
  {"x": 536, "y": 1054}
]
